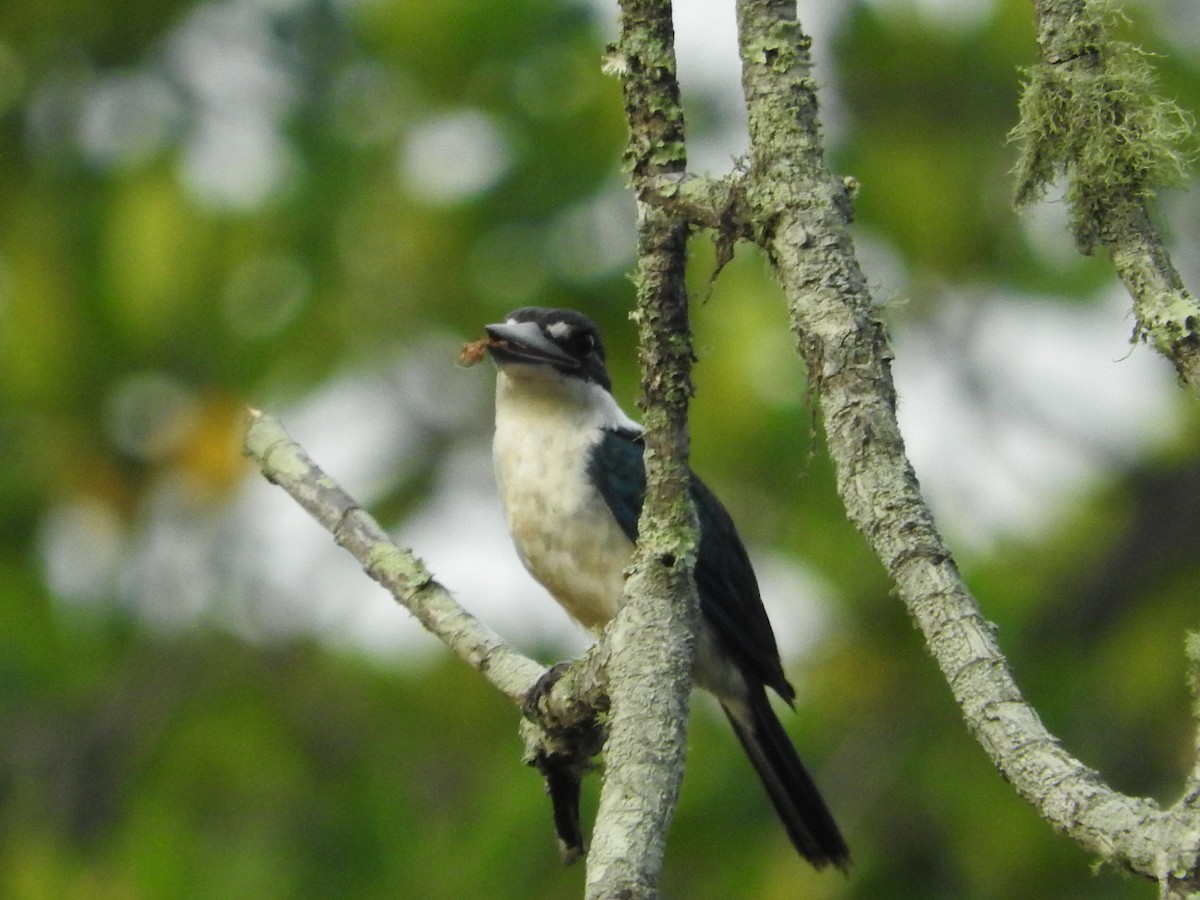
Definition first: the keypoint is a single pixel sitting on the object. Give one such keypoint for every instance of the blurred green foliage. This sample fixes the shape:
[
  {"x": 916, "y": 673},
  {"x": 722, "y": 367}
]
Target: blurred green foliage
[{"x": 204, "y": 204}]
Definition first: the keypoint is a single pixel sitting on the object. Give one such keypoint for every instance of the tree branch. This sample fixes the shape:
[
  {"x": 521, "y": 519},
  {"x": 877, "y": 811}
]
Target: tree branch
[
  {"x": 285, "y": 464},
  {"x": 561, "y": 734},
  {"x": 652, "y": 638},
  {"x": 800, "y": 215},
  {"x": 1089, "y": 111}
]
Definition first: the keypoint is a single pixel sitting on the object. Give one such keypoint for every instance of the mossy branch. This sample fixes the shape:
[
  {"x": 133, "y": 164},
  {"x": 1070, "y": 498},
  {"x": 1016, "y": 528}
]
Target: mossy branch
[
  {"x": 651, "y": 640},
  {"x": 1090, "y": 112},
  {"x": 792, "y": 205},
  {"x": 562, "y": 720},
  {"x": 1192, "y": 792}
]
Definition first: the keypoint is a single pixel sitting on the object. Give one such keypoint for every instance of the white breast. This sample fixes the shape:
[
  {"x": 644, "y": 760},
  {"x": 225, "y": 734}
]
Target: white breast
[{"x": 563, "y": 531}]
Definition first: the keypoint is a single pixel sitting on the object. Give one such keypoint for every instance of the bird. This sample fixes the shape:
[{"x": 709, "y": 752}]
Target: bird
[{"x": 571, "y": 477}]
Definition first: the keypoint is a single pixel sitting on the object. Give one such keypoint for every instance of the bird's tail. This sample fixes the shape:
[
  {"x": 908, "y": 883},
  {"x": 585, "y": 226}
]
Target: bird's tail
[{"x": 804, "y": 814}]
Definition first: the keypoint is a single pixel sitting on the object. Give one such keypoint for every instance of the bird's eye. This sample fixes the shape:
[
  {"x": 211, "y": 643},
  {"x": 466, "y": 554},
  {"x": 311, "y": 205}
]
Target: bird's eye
[{"x": 587, "y": 342}]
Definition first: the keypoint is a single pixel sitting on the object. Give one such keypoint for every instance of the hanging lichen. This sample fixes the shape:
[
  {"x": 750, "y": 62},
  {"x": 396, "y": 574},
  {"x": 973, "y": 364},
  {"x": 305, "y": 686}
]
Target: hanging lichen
[{"x": 1089, "y": 111}]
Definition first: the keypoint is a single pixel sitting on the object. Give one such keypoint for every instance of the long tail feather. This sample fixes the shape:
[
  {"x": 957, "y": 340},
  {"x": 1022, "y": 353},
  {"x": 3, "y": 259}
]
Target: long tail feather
[{"x": 804, "y": 814}]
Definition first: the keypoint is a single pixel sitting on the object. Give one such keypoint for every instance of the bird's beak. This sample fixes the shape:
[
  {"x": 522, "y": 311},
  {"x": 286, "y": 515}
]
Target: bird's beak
[{"x": 523, "y": 342}]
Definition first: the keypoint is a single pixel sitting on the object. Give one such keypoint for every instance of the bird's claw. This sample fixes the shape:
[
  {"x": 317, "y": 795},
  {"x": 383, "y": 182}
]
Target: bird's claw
[{"x": 531, "y": 708}]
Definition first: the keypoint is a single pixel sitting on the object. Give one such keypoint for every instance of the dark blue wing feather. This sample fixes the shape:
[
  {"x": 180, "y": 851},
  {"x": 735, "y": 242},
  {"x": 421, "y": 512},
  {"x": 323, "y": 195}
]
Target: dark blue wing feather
[
  {"x": 617, "y": 470},
  {"x": 725, "y": 582}
]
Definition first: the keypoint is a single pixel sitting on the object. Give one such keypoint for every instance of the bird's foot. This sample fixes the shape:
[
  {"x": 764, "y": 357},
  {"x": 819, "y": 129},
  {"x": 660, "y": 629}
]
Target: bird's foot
[{"x": 531, "y": 708}]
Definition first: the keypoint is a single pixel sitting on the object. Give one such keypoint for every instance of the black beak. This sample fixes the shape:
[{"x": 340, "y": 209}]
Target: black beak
[{"x": 524, "y": 342}]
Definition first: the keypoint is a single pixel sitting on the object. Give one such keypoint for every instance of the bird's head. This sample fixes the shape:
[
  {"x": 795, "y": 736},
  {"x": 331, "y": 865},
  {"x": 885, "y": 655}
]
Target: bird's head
[{"x": 542, "y": 345}]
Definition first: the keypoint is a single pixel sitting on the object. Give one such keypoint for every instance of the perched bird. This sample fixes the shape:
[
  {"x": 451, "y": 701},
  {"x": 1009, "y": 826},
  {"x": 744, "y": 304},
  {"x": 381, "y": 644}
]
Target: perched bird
[{"x": 572, "y": 481}]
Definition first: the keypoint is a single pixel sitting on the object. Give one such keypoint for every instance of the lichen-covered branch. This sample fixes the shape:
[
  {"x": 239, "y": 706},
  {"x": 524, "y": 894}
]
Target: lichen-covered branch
[
  {"x": 651, "y": 641},
  {"x": 1089, "y": 111},
  {"x": 563, "y": 721},
  {"x": 285, "y": 464},
  {"x": 799, "y": 213}
]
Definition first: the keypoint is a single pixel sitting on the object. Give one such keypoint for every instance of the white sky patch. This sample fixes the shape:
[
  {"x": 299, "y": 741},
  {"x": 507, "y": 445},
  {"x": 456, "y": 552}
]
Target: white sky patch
[
  {"x": 596, "y": 237},
  {"x": 226, "y": 57},
  {"x": 80, "y": 544},
  {"x": 127, "y": 118},
  {"x": 233, "y": 164},
  {"x": 1011, "y": 407},
  {"x": 798, "y": 601},
  {"x": 710, "y": 70},
  {"x": 1047, "y": 226},
  {"x": 453, "y": 156},
  {"x": 357, "y": 428}
]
